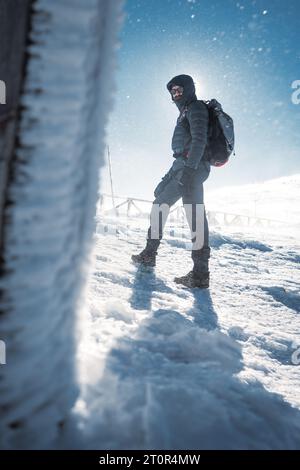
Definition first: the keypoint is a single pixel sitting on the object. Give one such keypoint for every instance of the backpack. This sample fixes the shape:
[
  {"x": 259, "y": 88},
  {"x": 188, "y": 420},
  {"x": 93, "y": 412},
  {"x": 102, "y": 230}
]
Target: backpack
[{"x": 220, "y": 134}]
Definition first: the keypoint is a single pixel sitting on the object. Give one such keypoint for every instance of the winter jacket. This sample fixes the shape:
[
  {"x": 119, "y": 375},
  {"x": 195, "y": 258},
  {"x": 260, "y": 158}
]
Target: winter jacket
[{"x": 190, "y": 134}]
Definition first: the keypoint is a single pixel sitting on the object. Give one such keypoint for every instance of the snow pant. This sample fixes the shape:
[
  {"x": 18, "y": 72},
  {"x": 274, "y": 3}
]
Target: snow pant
[{"x": 168, "y": 192}]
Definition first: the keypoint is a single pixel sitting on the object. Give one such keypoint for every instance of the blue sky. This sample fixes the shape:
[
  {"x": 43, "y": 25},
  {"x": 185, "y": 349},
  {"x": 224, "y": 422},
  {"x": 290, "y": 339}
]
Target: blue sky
[{"x": 245, "y": 54}]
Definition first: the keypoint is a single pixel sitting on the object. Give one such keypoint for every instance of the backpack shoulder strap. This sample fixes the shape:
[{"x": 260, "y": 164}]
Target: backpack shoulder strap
[{"x": 182, "y": 114}]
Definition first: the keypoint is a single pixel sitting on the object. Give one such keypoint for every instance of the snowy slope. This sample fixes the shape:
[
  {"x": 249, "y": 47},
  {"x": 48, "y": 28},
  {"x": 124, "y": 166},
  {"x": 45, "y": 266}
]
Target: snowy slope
[
  {"x": 277, "y": 199},
  {"x": 167, "y": 367}
]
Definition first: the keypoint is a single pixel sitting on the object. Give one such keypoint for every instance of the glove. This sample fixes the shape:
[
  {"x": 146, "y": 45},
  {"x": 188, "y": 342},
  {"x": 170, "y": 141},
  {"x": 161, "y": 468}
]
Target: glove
[
  {"x": 187, "y": 176},
  {"x": 160, "y": 187}
]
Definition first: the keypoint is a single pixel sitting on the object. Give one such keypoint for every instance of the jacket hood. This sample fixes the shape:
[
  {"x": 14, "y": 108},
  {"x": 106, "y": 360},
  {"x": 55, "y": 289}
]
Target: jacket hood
[{"x": 189, "y": 92}]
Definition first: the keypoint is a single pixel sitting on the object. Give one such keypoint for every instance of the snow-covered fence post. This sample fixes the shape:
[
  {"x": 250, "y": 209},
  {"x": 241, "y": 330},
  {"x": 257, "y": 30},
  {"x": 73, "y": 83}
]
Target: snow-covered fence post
[{"x": 67, "y": 96}]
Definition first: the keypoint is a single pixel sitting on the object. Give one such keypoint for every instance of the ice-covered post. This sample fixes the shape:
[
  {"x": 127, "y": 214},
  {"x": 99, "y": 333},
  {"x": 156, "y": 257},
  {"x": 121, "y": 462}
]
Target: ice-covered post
[{"x": 68, "y": 94}]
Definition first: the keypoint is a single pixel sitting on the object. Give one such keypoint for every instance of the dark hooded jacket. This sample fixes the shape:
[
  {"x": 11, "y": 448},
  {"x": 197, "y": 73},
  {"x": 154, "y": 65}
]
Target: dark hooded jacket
[{"x": 190, "y": 134}]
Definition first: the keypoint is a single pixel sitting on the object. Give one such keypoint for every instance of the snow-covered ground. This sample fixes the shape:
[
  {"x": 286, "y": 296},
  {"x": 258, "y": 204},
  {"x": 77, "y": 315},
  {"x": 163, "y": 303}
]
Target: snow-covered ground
[{"x": 162, "y": 366}]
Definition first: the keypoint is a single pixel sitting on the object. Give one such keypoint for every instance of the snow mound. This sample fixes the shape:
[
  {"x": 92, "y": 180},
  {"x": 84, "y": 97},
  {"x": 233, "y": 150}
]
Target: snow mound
[{"x": 172, "y": 385}]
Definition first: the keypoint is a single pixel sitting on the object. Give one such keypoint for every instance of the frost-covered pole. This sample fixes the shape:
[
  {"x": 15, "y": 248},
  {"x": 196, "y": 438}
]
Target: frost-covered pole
[
  {"x": 14, "y": 25},
  {"x": 111, "y": 181},
  {"x": 67, "y": 95}
]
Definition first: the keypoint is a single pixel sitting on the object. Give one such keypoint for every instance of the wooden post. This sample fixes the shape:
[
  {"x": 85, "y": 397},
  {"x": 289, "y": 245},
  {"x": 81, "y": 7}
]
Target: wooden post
[{"x": 111, "y": 182}]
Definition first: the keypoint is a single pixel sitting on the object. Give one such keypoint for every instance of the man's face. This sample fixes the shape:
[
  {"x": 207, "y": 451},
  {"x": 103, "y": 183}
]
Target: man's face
[{"x": 176, "y": 92}]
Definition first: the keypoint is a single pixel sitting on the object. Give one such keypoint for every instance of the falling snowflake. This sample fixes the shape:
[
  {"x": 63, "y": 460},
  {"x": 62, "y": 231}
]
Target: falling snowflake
[{"x": 265, "y": 12}]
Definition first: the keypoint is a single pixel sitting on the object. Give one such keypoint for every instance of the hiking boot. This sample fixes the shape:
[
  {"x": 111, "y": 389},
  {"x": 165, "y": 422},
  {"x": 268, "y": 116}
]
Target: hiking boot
[
  {"x": 193, "y": 279},
  {"x": 145, "y": 257}
]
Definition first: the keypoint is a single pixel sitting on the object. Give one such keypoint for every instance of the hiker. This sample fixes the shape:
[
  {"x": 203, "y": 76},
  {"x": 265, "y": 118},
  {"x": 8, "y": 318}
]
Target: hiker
[{"x": 184, "y": 180}]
